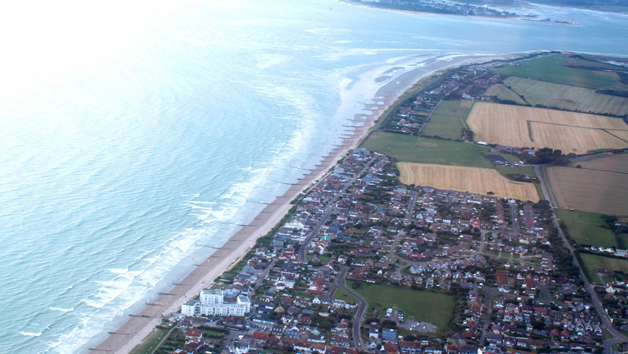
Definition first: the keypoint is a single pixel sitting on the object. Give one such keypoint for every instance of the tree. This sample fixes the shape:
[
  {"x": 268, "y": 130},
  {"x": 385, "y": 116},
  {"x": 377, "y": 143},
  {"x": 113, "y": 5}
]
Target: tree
[{"x": 326, "y": 325}]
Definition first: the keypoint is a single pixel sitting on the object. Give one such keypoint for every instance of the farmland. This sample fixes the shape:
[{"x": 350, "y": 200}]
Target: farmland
[
  {"x": 504, "y": 93},
  {"x": 615, "y": 163},
  {"x": 573, "y": 139},
  {"x": 587, "y": 228},
  {"x": 593, "y": 262},
  {"x": 448, "y": 120},
  {"x": 539, "y": 128},
  {"x": 621, "y": 134},
  {"x": 408, "y": 148},
  {"x": 567, "y": 97},
  {"x": 435, "y": 308},
  {"x": 589, "y": 190},
  {"x": 554, "y": 69},
  {"x": 466, "y": 179}
]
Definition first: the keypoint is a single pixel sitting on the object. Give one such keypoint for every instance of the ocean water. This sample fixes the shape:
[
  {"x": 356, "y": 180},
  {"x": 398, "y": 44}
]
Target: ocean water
[{"x": 133, "y": 133}]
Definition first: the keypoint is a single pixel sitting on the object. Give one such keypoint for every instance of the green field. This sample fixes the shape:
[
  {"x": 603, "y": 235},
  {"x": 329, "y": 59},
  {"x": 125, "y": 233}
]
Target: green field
[
  {"x": 550, "y": 69},
  {"x": 593, "y": 262},
  {"x": 589, "y": 64},
  {"x": 435, "y": 308},
  {"x": 342, "y": 294},
  {"x": 587, "y": 228},
  {"x": 504, "y": 93},
  {"x": 407, "y": 148},
  {"x": 150, "y": 342},
  {"x": 567, "y": 97},
  {"x": 624, "y": 238},
  {"x": 448, "y": 120}
]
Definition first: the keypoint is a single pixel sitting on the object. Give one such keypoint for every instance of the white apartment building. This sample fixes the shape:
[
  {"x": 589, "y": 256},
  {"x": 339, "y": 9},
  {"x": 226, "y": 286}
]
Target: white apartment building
[{"x": 212, "y": 302}]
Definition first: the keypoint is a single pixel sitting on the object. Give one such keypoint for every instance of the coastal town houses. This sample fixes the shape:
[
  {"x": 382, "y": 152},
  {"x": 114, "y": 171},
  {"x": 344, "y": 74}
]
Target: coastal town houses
[{"x": 212, "y": 302}]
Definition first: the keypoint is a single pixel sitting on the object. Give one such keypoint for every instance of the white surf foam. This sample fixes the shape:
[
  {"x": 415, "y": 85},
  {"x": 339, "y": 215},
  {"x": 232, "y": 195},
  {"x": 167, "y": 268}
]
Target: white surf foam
[
  {"x": 31, "y": 334},
  {"x": 61, "y": 309}
]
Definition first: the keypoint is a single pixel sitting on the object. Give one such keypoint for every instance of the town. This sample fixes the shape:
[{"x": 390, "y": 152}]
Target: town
[
  {"x": 360, "y": 255},
  {"x": 363, "y": 263}
]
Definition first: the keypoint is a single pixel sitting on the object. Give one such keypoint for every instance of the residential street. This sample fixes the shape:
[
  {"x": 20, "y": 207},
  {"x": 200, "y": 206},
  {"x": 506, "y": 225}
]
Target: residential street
[
  {"x": 328, "y": 211},
  {"x": 618, "y": 336},
  {"x": 359, "y": 315}
]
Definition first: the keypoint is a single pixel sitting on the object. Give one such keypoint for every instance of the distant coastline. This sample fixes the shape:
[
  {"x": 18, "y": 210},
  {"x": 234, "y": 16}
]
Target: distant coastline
[
  {"x": 424, "y": 10},
  {"x": 139, "y": 325}
]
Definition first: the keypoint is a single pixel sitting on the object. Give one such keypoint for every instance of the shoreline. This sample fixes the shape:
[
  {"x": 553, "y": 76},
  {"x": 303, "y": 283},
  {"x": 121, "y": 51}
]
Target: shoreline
[
  {"x": 139, "y": 326},
  {"x": 354, "y": 3}
]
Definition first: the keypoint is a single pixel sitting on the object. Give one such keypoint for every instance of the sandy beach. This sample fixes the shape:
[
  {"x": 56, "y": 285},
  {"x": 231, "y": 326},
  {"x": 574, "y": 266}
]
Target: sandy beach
[{"x": 138, "y": 326}]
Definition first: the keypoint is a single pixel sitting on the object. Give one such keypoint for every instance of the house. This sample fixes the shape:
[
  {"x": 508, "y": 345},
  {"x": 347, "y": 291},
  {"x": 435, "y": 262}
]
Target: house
[
  {"x": 259, "y": 339},
  {"x": 374, "y": 330},
  {"x": 468, "y": 349},
  {"x": 389, "y": 334}
]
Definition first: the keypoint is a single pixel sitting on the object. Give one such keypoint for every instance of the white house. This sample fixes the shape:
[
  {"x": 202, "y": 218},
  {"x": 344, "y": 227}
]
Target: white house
[{"x": 212, "y": 302}]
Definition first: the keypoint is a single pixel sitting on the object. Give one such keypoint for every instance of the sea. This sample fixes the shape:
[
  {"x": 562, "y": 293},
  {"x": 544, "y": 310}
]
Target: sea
[{"x": 135, "y": 133}]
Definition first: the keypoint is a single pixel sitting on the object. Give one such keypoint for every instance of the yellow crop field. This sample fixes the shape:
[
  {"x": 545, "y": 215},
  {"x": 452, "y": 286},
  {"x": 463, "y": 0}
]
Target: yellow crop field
[
  {"x": 537, "y": 127},
  {"x": 622, "y": 134},
  {"x": 563, "y": 137},
  {"x": 590, "y": 190},
  {"x": 612, "y": 163},
  {"x": 466, "y": 179}
]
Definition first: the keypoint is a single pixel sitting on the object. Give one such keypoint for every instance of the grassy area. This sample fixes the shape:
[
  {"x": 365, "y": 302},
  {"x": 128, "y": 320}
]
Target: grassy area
[
  {"x": 624, "y": 238},
  {"x": 594, "y": 262},
  {"x": 406, "y": 148},
  {"x": 587, "y": 228},
  {"x": 567, "y": 97},
  {"x": 323, "y": 259},
  {"x": 435, "y": 308},
  {"x": 504, "y": 93},
  {"x": 342, "y": 294},
  {"x": 150, "y": 342},
  {"x": 448, "y": 120},
  {"x": 552, "y": 69},
  {"x": 589, "y": 64},
  {"x": 408, "y": 94}
]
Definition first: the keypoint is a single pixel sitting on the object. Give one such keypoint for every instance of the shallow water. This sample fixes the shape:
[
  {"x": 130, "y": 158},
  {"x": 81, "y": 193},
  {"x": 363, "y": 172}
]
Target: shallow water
[{"x": 134, "y": 133}]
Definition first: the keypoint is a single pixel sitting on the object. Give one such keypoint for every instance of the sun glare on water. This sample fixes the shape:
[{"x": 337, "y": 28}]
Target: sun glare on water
[{"x": 40, "y": 36}]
